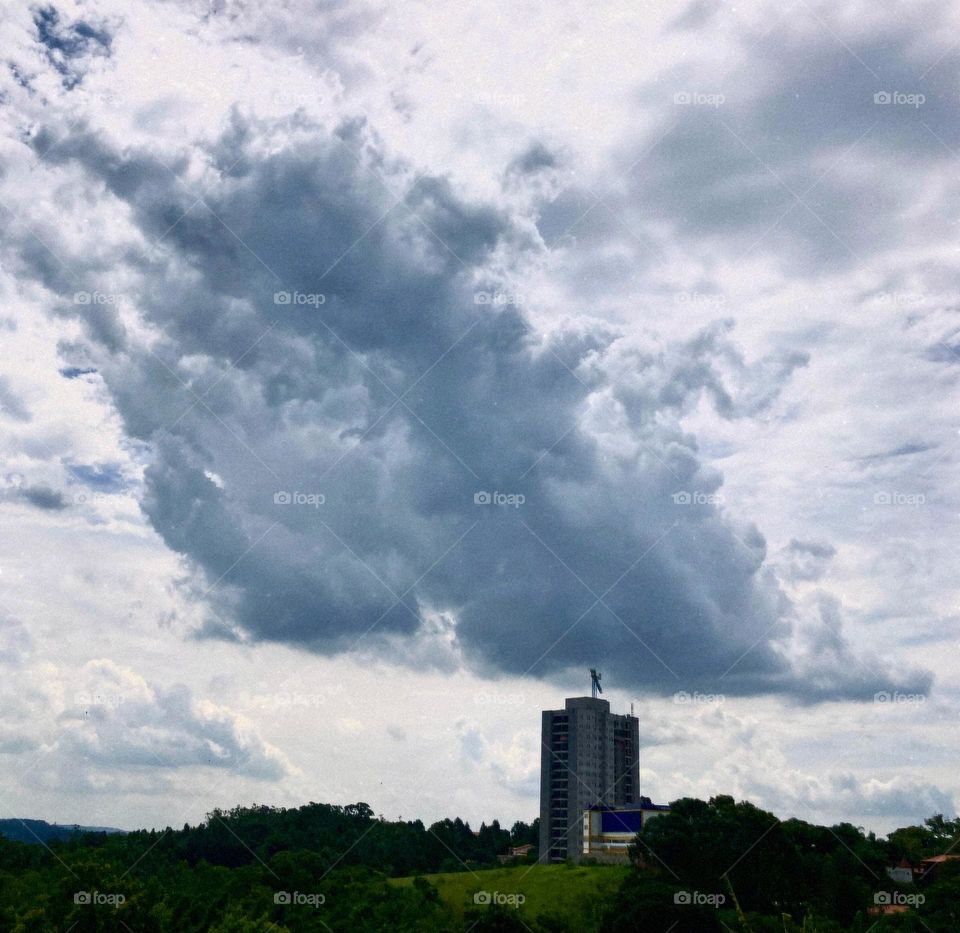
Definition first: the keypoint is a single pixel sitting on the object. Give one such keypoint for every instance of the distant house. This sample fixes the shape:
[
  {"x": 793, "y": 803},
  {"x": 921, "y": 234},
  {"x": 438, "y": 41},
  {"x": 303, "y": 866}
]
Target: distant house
[
  {"x": 516, "y": 852},
  {"x": 930, "y": 868},
  {"x": 902, "y": 872}
]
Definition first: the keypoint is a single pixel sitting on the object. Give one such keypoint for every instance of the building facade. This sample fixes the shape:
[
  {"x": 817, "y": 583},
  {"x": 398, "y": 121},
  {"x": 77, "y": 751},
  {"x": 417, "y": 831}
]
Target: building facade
[
  {"x": 609, "y": 831},
  {"x": 588, "y": 757}
]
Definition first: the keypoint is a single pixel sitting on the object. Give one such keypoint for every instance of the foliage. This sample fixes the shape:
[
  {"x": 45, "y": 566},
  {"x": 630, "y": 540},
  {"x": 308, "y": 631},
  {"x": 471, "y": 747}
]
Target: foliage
[{"x": 707, "y": 865}]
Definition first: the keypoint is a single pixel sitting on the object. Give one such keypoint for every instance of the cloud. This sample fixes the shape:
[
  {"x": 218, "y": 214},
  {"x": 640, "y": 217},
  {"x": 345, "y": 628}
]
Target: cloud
[
  {"x": 11, "y": 404},
  {"x": 15, "y": 641},
  {"x": 70, "y": 46},
  {"x": 102, "y": 477},
  {"x": 360, "y": 428},
  {"x": 847, "y": 796},
  {"x": 119, "y": 720},
  {"x": 826, "y": 658},
  {"x": 513, "y": 764},
  {"x": 13, "y": 742},
  {"x": 806, "y": 560},
  {"x": 75, "y": 372},
  {"x": 43, "y": 497},
  {"x": 904, "y": 450}
]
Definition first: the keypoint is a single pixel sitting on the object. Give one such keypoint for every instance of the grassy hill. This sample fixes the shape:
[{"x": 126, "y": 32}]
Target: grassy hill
[{"x": 576, "y": 892}]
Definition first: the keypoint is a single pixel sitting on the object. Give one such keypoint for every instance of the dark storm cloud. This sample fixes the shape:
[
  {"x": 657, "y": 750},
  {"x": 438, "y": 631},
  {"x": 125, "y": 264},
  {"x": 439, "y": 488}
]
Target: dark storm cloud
[{"x": 341, "y": 465}]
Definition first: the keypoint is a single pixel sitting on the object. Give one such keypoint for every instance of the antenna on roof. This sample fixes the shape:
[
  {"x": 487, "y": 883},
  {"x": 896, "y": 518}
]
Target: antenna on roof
[{"x": 595, "y": 687}]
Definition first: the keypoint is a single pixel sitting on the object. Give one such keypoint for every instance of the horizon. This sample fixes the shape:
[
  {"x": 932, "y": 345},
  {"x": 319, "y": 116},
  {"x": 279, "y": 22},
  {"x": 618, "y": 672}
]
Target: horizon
[{"x": 414, "y": 819}]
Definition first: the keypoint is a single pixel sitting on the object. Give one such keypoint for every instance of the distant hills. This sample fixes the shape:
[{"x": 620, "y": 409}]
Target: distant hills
[{"x": 40, "y": 831}]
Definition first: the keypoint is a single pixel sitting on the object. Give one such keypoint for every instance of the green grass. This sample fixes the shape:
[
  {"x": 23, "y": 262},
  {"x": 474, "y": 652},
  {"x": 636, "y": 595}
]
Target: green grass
[{"x": 573, "y": 891}]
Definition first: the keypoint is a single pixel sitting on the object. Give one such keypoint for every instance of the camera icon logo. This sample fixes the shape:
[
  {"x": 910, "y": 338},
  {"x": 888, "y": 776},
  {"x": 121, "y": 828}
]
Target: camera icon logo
[
  {"x": 882, "y": 898},
  {"x": 682, "y": 97},
  {"x": 681, "y": 498},
  {"x": 881, "y": 498},
  {"x": 282, "y": 498},
  {"x": 81, "y": 298},
  {"x": 82, "y": 897},
  {"x": 482, "y": 897},
  {"x": 882, "y": 97},
  {"x": 281, "y": 298},
  {"x": 682, "y": 898},
  {"x": 481, "y": 498},
  {"x": 281, "y": 897}
]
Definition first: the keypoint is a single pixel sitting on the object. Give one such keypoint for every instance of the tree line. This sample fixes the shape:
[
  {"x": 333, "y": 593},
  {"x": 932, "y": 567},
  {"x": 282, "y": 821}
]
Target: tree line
[{"x": 706, "y": 866}]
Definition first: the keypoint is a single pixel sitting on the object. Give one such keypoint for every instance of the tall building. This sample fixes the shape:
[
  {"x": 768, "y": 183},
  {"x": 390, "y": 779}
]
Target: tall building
[{"x": 589, "y": 757}]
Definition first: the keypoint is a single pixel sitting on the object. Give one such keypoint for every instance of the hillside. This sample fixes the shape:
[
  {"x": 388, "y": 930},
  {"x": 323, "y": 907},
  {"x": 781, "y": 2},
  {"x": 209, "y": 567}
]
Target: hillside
[
  {"x": 574, "y": 893},
  {"x": 35, "y": 832}
]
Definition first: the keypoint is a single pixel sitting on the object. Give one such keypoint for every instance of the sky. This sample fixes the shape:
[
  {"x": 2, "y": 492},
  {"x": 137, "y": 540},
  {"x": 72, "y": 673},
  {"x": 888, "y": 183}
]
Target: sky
[{"x": 371, "y": 371}]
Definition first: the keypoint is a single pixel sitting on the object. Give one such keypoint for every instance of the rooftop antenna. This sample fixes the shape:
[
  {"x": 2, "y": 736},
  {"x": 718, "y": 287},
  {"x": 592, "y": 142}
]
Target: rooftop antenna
[{"x": 595, "y": 687}]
